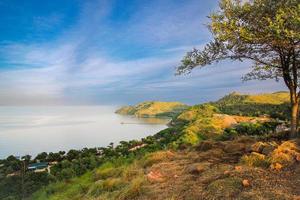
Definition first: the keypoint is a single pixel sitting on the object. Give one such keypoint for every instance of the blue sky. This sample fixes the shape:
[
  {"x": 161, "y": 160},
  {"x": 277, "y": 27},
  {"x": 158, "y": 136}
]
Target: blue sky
[{"x": 110, "y": 52}]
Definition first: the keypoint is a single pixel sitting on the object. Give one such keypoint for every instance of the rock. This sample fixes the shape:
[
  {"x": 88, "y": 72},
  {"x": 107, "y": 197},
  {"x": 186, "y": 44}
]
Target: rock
[
  {"x": 155, "y": 176},
  {"x": 198, "y": 168},
  {"x": 246, "y": 183},
  {"x": 226, "y": 172},
  {"x": 298, "y": 157},
  {"x": 276, "y": 166},
  {"x": 238, "y": 168},
  {"x": 235, "y": 148}
]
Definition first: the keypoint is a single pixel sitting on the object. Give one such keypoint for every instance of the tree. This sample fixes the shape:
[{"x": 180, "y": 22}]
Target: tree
[
  {"x": 266, "y": 32},
  {"x": 41, "y": 157}
]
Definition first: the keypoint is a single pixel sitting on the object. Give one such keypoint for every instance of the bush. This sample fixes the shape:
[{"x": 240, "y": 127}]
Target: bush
[
  {"x": 251, "y": 129},
  {"x": 256, "y": 160}
]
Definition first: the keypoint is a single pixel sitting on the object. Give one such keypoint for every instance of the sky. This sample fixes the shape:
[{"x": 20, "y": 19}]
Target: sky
[{"x": 110, "y": 52}]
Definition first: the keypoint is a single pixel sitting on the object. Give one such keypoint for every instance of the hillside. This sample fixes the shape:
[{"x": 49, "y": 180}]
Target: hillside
[
  {"x": 238, "y": 169},
  {"x": 228, "y": 149},
  {"x": 274, "y": 104},
  {"x": 153, "y": 109}
]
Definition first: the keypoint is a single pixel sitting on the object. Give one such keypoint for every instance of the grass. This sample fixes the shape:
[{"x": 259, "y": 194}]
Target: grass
[
  {"x": 155, "y": 157},
  {"x": 256, "y": 160},
  {"x": 225, "y": 188},
  {"x": 113, "y": 180}
]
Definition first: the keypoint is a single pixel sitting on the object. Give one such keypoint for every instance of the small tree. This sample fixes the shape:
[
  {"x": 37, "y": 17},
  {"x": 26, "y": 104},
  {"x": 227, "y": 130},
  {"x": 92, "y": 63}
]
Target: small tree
[{"x": 267, "y": 32}]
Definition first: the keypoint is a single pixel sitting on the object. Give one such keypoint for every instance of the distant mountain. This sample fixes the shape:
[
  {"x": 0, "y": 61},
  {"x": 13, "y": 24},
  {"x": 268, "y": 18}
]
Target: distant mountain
[{"x": 153, "y": 109}]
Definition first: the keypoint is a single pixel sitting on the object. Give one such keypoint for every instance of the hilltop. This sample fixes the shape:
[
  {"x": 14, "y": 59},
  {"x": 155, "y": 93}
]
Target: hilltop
[{"x": 153, "y": 109}]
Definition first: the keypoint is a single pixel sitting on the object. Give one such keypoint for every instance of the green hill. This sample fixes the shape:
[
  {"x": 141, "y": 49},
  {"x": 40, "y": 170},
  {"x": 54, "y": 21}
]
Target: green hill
[
  {"x": 209, "y": 120},
  {"x": 153, "y": 109},
  {"x": 275, "y": 104}
]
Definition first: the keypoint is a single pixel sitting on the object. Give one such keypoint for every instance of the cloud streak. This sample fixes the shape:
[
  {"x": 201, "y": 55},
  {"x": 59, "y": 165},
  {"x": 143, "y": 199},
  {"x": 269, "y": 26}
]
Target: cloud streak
[{"x": 106, "y": 58}]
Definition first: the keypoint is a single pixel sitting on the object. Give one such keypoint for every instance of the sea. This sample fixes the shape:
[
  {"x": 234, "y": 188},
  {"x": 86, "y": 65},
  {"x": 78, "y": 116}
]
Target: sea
[{"x": 29, "y": 130}]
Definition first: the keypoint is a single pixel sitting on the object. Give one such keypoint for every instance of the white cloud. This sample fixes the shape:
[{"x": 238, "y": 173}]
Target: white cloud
[{"x": 77, "y": 61}]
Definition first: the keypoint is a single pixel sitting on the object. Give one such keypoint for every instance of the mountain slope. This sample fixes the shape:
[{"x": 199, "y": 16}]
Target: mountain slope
[{"x": 153, "y": 109}]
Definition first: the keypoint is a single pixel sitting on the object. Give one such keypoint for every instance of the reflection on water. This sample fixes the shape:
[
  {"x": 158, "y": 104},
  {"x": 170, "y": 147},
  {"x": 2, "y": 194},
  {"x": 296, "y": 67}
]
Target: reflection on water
[{"x": 30, "y": 130}]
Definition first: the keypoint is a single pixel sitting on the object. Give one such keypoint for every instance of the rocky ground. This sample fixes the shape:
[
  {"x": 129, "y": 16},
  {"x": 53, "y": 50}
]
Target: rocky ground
[{"x": 240, "y": 169}]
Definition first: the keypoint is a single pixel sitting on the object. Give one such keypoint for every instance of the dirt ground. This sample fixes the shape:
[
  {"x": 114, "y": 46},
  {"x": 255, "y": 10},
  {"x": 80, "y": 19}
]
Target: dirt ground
[{"x": 214, "y": 171}]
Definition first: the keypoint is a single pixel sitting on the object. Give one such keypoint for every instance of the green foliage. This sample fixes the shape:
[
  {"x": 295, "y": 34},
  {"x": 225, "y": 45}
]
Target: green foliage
[
  {"x": 265, "y": 32},
  {"x": 275, "y": 104},
  {"x": 262, "y": 31},
  {"x": 251, "y": 129},
  {"x": 11, "y": 187}
]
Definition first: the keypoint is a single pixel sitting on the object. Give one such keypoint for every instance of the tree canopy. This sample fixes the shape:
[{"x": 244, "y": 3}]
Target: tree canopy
[{"x": 267, "y": 32}]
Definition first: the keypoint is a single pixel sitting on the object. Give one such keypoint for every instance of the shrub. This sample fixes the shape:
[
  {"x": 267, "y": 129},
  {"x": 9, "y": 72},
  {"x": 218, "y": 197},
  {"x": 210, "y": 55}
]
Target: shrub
[
  {"x": 256, "y": 160},
  {"x": 246, "y": 128}
]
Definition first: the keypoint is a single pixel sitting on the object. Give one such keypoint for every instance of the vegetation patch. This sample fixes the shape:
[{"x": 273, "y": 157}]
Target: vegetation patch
[
  {"x": 256, "y": 160},
  {"x": 226, "y": 188}
]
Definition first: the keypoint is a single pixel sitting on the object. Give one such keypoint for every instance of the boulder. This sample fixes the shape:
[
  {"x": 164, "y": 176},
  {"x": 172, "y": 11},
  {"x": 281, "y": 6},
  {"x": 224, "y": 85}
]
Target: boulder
[
  {"x": 155, "y": 176},
  {"x": 246, "y": 183}
]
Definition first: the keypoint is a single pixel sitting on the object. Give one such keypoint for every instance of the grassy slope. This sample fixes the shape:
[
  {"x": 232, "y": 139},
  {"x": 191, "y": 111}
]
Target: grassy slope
[
  {"x": 123, "y": 180},
  {"x": 209, "y": 120},
  {"x": 275, "y": 104},
  {"x": 153, "y": 109},
  {"x": 211, "y": 170}
]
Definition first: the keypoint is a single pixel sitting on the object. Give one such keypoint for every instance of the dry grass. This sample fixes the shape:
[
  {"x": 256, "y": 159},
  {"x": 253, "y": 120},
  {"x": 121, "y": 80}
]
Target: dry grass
[
  {"x": 133, "y": 190},
  {"x": 273, "y": 98},
  {"x": 226, "y": 188},
  {"x": 156, "y": 157},
  {"x": 256, "y": 160},
  {"x": 285, "y": 153}
]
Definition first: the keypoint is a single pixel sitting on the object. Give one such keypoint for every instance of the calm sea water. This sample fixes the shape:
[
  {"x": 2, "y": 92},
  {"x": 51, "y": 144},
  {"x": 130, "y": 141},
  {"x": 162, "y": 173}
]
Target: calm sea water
[{"x": 31, "y": 130}]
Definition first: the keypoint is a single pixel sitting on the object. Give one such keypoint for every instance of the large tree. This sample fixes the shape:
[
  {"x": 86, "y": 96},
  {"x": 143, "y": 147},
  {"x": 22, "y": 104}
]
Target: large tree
[{"x": 267, "y": 32}]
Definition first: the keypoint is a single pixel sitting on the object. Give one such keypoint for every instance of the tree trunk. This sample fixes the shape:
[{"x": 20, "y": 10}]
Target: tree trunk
[{"x": 294, "y": 117}]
